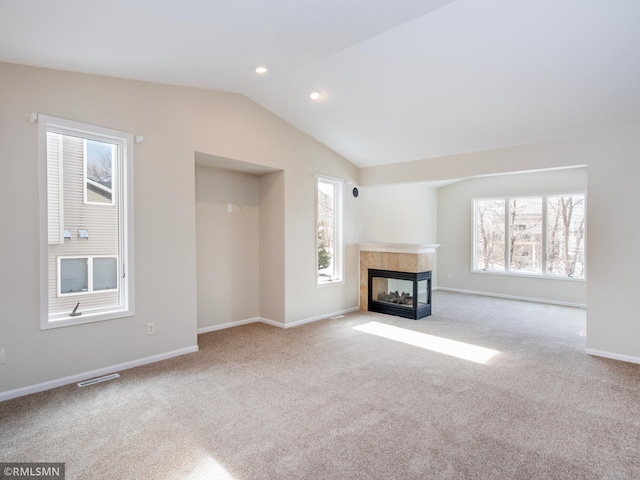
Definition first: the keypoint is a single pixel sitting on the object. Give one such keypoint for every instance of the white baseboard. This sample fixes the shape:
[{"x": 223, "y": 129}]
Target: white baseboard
[
  {"x": 324, "y": 316},
  {"x": 273, "y": 323},
  {"x": 40, "y": 387},
  {"x": 612, "y": 356},
  {"x": 222, "y": 326},
  {"x": 514, "y": 297},
  {"x": 237, "y": 323}
]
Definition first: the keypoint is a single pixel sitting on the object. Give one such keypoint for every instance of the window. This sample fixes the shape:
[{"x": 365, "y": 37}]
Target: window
[
  {"x": 541, "y": 235},
  {"x": 329, "y": 244},
  {"x": 525, "y": 235},
  {"x": 78, "y": 275},
  {"x": 86, "y": 223},
  {"x": 565, "y": 235}
]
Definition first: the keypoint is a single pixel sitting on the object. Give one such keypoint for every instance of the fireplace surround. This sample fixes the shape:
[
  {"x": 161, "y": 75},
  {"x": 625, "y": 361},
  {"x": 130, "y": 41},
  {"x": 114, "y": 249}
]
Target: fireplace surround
[{"x": 394, "y": 257}]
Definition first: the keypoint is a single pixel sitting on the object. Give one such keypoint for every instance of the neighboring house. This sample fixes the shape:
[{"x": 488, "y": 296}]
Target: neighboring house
[{"x": 97, "y": 192}]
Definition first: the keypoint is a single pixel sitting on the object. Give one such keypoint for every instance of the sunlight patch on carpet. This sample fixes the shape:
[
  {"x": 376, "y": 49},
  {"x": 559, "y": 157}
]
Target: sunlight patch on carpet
[
  {"x": 462, "y": 350},
  {"x": 207, "y": 468}
]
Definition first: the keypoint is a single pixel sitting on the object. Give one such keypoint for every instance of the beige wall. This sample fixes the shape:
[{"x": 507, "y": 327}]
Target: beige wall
[
  {"x": 404, "y": 213},
  {"x": 272, "y": 249},
  {"x": 302, "y": 295},
  {"x": 540, "y": 156},
  {"x": 227, "y": 246},
  {"x": 454, "y": 234},
  {"x": 612, "y": 239},
  {"x": 175, "y": 122}
]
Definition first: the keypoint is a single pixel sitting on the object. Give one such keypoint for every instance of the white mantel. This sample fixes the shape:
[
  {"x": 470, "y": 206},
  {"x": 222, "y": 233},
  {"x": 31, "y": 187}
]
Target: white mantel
[{"x": 398, "y": 247}]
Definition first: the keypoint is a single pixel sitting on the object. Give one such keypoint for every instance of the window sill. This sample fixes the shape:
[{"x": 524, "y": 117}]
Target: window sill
[
  {"x": 329, "y": 284},
  {"x": 531, "y": 275},
  {"x": 67, "y": 321}
]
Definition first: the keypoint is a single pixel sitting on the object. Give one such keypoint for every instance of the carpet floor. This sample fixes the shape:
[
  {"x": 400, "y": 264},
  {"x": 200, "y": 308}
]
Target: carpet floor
[{"x": 485, "y": 388}]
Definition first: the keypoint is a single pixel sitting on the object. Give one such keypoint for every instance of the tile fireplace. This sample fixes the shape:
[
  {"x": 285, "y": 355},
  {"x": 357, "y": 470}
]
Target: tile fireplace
[{"x": 396, "y": 279}]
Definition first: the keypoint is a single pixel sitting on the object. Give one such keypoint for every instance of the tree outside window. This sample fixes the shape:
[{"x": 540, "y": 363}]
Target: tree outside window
[
  {"x": 566, "y": 227},
  {"x": 546, "y": 235},
  {"x": 490, "y": 234}
]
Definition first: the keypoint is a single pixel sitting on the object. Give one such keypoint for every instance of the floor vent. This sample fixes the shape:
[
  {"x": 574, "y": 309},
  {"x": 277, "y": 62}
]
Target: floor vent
[
  {"x": 98, "y": 380},
  {"x": 337, "y": 317}
]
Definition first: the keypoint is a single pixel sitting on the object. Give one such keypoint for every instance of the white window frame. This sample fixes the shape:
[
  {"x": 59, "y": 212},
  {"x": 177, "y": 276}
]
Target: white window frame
[
  {"x": 513, "y": 273},
  {"x": 90, "y": 289},
  {"x": 338, "y": 254},
  {"x": 126, "y": 279}
]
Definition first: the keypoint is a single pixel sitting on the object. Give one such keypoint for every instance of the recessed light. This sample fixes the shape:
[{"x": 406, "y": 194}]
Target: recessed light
[
  {"x": 261, "y": 69},
  {"x": 315, "y": 95}
]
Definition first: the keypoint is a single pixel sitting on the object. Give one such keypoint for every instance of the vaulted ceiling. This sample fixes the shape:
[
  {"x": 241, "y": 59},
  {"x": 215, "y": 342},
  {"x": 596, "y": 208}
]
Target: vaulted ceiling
[{"x": 400, "y": 80}]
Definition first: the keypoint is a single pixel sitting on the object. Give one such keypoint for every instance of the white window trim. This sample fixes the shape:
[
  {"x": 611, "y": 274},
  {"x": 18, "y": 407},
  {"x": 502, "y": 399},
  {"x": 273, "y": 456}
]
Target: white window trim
[
  {"x": 126, "y": 281},
  {"x": 514, "y": 273},
  {"x": 339, "y": 238}
]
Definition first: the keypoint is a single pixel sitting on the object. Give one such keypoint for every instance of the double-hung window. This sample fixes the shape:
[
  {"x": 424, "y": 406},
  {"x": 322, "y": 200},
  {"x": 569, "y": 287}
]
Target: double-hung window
[
  {"x": 86, "y": 223},
  {"x": 329, "y": 243},
  {"x": 535, "y": 235}
]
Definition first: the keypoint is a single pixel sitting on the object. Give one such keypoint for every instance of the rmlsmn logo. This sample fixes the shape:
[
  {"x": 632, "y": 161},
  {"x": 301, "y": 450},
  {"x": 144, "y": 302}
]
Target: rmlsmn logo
[{"x": 26, "y": 471}]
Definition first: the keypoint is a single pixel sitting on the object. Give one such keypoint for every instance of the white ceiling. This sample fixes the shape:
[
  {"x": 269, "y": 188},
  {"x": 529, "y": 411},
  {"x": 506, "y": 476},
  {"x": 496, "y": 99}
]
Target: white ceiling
[{"x": 402, "y": 80}]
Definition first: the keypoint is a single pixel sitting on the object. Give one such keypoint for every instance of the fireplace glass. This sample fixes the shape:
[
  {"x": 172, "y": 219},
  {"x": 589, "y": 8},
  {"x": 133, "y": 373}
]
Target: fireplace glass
[{"x": 400, "y": 293}]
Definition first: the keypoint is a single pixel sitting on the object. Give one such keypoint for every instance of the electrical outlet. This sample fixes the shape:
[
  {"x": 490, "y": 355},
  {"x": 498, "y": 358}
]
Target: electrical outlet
[
  {"x": 3, "y": 359},
  {"x": 448, "y": 276},
  {"x": 240, "y": 208},
  {"x": 151, "y": 328}
]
